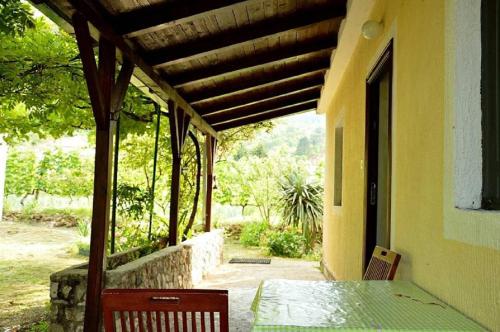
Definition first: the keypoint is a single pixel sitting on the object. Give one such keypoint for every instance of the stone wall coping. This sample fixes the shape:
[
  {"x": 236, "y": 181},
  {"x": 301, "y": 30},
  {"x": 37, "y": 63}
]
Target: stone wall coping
[
  {"x": 202, "y": 236},
  {"x": 145, "y": 259},
  {"x": 80, "y": 270}
]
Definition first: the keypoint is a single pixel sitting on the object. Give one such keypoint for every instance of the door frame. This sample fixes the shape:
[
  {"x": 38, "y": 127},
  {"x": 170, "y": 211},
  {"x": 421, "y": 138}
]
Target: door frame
[{"x": 383, "y": 65}]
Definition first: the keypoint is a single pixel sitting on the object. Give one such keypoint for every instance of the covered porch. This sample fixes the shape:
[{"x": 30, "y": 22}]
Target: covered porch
[
  {"x": 211, "y": 66},
  {"x": 219, "y": 65}
]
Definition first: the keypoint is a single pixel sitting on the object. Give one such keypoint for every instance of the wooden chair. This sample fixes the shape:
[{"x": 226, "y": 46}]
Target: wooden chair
[
  {"x": 383, "y": 265},
  {"x": 159, "y": 310}
]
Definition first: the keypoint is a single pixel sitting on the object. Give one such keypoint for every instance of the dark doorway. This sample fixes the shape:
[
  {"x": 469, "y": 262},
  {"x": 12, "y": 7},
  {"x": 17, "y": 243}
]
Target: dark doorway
[{"x": 378, "y": 155}]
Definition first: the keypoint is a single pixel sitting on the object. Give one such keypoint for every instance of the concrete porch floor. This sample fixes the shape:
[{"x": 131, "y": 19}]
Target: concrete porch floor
[{"x": 242, "y": 281}]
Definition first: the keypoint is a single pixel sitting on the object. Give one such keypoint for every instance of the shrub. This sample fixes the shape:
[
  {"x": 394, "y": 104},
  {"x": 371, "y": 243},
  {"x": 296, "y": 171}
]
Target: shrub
[
  {"x": 302, "y": 206},
  {"x": 83, "y": 248},
  {"x": 287, "y": 243},
  {"x": 83, "y": 227},
  {"x": 252, "y": 232}
]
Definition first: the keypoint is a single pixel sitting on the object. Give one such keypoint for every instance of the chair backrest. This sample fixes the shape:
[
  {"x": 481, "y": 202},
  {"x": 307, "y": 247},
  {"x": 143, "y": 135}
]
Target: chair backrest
[
  {"x": 165, "y": 310},
  {"x": 383, "y": 265}
]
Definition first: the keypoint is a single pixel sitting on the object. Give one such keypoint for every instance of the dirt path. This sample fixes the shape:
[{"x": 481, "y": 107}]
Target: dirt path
[
  {"x": 29, "y": 253},
  {"x": 242, "y": 281}
]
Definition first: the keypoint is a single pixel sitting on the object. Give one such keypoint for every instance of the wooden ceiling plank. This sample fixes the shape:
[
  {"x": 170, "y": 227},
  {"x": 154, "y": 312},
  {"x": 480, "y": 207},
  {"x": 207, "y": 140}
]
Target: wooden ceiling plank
[
  {"x": 164, "y": 15},
  {"x": 280, "y": 88},
  {"x": 293, "y": 109},
  {"x": 144, "y": 72},
  {"x": 231, "y": 86},
  {"x": 263, "y": 106},
  {"x": 325, "y": 45},
  {"x": 238, "y": 36}
]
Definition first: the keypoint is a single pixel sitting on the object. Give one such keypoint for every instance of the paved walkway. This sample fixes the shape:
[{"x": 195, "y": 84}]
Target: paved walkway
[{"x": 242, "y": 281}]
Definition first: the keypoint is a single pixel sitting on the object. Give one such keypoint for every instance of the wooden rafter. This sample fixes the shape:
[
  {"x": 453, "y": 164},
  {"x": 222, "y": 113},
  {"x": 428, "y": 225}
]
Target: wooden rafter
[
  {"x": 93, "y": 12},
  {"x": 163, "y": 15},
  {"x": 264, "y": 105},
  {"x": 259, "y": 93},
  {"x": 303, "y": 107},
  {"x": 242, "y": 83},
  {"x": 325, "y": 46},
  {"x": 232, "y": 38}
]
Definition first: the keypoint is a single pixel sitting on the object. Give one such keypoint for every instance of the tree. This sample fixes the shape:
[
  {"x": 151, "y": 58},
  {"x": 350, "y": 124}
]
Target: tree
[
  {"x": 230, "y": 140},
  {"x": 56, "y": 173},
  {"x": 43, "y": 91},
  {"x": 250, "y": 181},
  {"x": 20, "y": 178},
  {"x": 15, "y": 17},
  {"x": 64, "y": 174},
  {"x": 302, "y": 205},
  {"x": 303, "y": 147},
  {"x": 232, "y": 189}
]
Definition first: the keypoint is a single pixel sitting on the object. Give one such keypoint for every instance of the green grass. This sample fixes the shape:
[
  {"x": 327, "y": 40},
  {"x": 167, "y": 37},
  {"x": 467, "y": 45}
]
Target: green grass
[
  {"x": 23, "y": 284},
  {"x": 79, "y": 213},
  {"x": 40, "y": 327},
  {"x": 233, "y": 248},
  {"x": 29, "y": 254}
]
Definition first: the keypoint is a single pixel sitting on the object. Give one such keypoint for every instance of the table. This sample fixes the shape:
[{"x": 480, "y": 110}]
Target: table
[{"x": 296, "y": 305}]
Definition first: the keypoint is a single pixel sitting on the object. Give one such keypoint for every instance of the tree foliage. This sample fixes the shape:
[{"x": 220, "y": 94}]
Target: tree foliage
[
  {"x": 20, "y": 177},
  {"x": 15, "y": 17},
  {"x": 54, "y": 173},
  {"x": 43, "y": 91}
]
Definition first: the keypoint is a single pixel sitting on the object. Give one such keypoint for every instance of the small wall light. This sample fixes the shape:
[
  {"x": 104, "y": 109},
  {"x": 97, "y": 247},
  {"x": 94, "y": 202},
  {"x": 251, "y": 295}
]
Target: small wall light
[{"x": 372, "y": 29}]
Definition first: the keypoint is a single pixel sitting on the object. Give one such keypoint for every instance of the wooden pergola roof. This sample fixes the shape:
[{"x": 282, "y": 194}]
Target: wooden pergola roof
[{"x": 227, "y": 63}]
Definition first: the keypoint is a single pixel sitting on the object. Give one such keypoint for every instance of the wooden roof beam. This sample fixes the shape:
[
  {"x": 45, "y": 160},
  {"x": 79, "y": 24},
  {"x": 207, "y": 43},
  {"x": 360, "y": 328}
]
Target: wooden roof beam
[
  {"x": 264, "y": 105},
  {"x": 163, "y": 15},
  {"x": 265, "y": 92},
  {"x": 324, "y": 46},
  {"x": 143, "y": 72},
  {"x": 236, "y": 37},
  {"x": 241, "y": 83},
  {"x": 298, "y": 108}
]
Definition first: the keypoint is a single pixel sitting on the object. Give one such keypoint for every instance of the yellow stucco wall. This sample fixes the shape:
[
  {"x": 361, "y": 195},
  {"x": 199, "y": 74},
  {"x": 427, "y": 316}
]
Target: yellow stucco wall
[{"x": 466, "y": 276}]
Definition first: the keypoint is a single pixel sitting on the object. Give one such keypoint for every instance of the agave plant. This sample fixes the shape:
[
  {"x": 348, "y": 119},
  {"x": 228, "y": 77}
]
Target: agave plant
[{"x": 302, "y": 206}]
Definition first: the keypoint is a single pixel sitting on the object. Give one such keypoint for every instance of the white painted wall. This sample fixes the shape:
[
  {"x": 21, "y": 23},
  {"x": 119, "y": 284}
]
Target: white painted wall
[
  {"x": 467, "y": 103},
  {"x": 464, "y": 221},
  {"x": 3, "y": 161}
]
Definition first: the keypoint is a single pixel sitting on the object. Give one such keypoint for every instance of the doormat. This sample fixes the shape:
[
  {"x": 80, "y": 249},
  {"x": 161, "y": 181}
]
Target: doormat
[{"x": 250, "y": 261}]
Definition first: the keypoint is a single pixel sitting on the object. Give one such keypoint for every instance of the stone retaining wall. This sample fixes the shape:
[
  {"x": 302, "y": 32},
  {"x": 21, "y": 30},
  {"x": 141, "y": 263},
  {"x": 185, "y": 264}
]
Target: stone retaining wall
[
  {"x": 173, "y": 267},
  {"x": 207, "y": 252}
]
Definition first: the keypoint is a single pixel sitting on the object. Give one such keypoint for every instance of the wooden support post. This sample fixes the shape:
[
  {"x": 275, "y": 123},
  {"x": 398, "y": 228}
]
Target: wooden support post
[
  {"x": 106, "y": 98},
  {"x": 210, "y": 147},
  {"x": 179, "y": 123}
]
